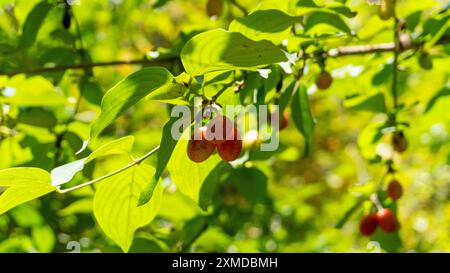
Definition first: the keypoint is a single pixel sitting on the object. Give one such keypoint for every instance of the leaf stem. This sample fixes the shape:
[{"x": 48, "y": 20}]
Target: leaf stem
[{"x": 134, "y": 163}]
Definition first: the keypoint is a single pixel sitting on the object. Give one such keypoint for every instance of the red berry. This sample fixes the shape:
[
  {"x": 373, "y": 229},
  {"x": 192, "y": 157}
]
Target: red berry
[
  {"x": 218, "y": 129},
  {"x": 284, "y": 119},
  {"x": 394, "y": 190},
  {"x": 399, "y": 142},
  {"x": 230, "y": 149},
  {"x": 324, "y": 80},
  {"x": 387, "y": 220},
  {"x": 368, "y": 224},
  {"x": 199, "y": 148}
]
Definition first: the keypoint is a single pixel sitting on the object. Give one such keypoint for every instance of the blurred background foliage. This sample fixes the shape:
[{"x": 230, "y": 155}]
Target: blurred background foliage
[{"x": 294, "y": 203}]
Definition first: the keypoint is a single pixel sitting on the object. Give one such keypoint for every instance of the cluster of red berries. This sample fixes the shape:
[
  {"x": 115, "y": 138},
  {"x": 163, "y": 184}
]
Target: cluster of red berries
[
  {"x": 384, "y": 218},
  {"x": 221, "y": 134}
]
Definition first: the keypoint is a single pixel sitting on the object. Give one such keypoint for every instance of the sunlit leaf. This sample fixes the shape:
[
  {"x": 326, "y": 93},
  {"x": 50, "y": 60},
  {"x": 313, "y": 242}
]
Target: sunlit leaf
[
  {"x": 220, "y": 50},
  {"x": 80, "y": 206},
  {"x": 65, "y": 173},
  {"x": 44, "y": 238},
  {"x": 273, "y": 25},
  {"x": 33, "y": 23},
  {"x": 187, "y": 175},
  {"x": 116, "y": 200},
  {"x": 322, "y": 17},
  {"x": 23, "y": 185},
  {"x": 127, "y": 93}
]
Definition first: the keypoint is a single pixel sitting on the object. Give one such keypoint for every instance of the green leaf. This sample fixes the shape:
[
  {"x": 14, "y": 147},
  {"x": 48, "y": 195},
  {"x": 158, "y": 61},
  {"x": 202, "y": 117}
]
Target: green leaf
[
  {"x": 413, "y": 20},
  {"x": 383, "y": 75},
  {"x": 323, "y": 17},
  {"x": 33, "y": 23},
  {"x": 372, "y": 103},
  {"x": 44, "y": 238},
  {"x": 33, "y": 91},
  {"x": 80, "y": 206},
  {"x": 441, "y": 93},
  {"x": 37, "y": 116},
  {"x": 116, "y": 200},
  {"x": 64, "y": 173},
  {"x": 302, "y": 117},
  {"x": 251, "y": 183},
  {"x": 221, "y": 50},
  {"x": 307, "y": 4},
  {"x": 341, "y": 9},
  {"x": 286, "y": 95},
  {"x": 368, "y": 139},
  {"x": 116, "y": 147},
  {"x": 165, "y": 151},
  {"x": 187, "y": 175},
  {"x": 23, "y": 185},
  {"x": 192, "y": 229},
  {"x": 273, "y": 25},
  {"x": 90, "y": 89},
  {"x": 349, "y": 213},
  {"x": 211, "y": 184},
  {"x": 173, "y": 93},
  {"x": 127, "y": 93},
  {"x": 26, "y": 216}
]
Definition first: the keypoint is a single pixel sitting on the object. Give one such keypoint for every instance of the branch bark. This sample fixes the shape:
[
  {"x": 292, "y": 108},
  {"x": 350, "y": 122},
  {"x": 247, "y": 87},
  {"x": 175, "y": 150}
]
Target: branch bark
[
  {"x": 37, "y": 70},
  {"x": 331, "y": 53}
]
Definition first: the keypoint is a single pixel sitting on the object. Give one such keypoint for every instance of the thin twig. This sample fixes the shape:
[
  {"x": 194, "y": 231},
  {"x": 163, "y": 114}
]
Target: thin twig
[
  {"x": 37, "y": 70},
  {"x": 332, "y": 53},
  {"x": 239, "y": 6},
  {"x": 132, "y": 164},
  {"x": 395, "y": 62}
]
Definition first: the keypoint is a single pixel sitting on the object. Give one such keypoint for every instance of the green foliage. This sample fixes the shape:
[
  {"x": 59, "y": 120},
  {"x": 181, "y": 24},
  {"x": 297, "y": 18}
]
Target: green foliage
[
  {"x": 273, "y": 25},
  {"x": 187, "y": 175},
  {"x": 302, "y": 116},
  {"x": 22, "y": 185},
  {"x": 128, "y": 92},
  {"x": 220, "y": 50},
  {"x": 33, "y": 23},
  {"x": 59, "y": 130},
  {"x": 116, "y": 200}
]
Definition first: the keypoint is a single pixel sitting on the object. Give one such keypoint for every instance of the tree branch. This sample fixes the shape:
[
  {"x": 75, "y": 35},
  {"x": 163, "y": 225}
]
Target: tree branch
[
  {"x": 37, "y": 70},
  {"x": 331, "y": 53}
]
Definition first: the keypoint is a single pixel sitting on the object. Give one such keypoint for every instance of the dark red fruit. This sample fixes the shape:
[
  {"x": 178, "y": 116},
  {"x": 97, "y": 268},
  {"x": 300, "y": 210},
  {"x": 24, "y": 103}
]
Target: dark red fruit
[
  {"x": 324, "y": 80},
  {"x": 218, "y": 129},
  {"x": 199, "y": 148},
  {"x": 387, "y": 220},
  {"x": 394, "y": 190},
  {"x": 230, "y": 149},
  {"x": 214, "y": 7},
  {"x": 399, "y": 142},
  {"x": 368, "y": 224},
  {"x": 284, "y": 119}
]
